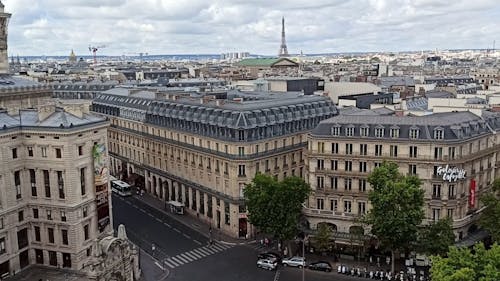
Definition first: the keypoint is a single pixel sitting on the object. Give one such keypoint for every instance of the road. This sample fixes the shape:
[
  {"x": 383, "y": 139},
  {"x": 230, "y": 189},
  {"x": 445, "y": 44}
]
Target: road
[{"x": 185, "y": 254}]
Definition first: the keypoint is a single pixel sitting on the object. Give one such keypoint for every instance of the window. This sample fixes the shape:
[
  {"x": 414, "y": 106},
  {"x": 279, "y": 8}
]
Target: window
[
  {"x": 413, "y": 151},
  {"x": 334, "y": 165},
  {"x": 320, "y": 164},
  {"x": 22, "y": 238},
  {"x": 412, "y": 169},
  {"x": 362, "y": 185},
  {"x": 58, "y": 153},
  {"x": 64, "y": 236},
  {"x": 394, "y": 133},
  {"x": 63, "y": 215},
  {"x": 451, "y": 152},
  {"x": 35, "y": 213},
  {"x": 49, "y": 214},
  {"x": 436, "y": 191},
  {"x": 14, "y": 153},
  {"x": 414, "y": 133},
  {"x": 336, "y": 131},
  {"x": 37, "y": 233},
  {"x": 363, "y": 149},
  {"x": 364, "y": 131},
  {"x": 377, "y": 164},
  {"x": 436, "y": 213},
  {"x": 333, "y": 205},
  {"x": 361, "y": 208},
  {"x": 20, "y": 216},
  {"x": 450, "y": 212},
  {"x": 241, "y": 151},
  {"x": 241, "y": 171},
  {"x": 226, "y": 213},
  {"x": 80, "y": 150},
  {"x": 348, "y": 148},
  {"x": 349, "y": 132},
  {"x": 438, "y": 152},
  {"x": 348, "y": 184},
  {"x": 394, "y": 151},
  {"x": 320, "y": 204},
  {"x": 50, "y": 233},
  {"x": 334, "y": 181},
  {"x": 53, "y": 258},
  {"x": 82, "y": 181},
  {"x": 33, "y": 182},
  {"x": 30, "y": 151},
  {"x": 46, "y": 182},
  {"x": 451, "y": 191},
  {"x": 44, "y": 151},
  {"x": 60, "y": 184},
  {"x": 362, "y": 167},
  {"x": 347, "y": 206},
  {"x": 335, "y": 148},
  {"x": 321, "y": 147},
  {"x": 438, "y": 134},
  {"x": 379, "y": 132},
  {"x": 348, "y": 166},
  {"x": 378, "y": 150},
  {"x": 2, "y": 245},
  {"x": 320, "y": 182},
  {"x": 85, "y": 212},
  {"x": 17, "y": 183},
  {"x": 86, "y": 232}
]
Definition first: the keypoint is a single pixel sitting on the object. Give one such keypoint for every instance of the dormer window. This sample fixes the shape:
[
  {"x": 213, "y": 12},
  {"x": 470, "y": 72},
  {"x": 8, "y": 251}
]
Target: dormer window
[
  {"x": 336, "y": 131},
  {"x": 414, "y": 133},
  {"x": 364, "y": 131},
  {"x": 438, "y": 134},
  {"x": 379, "y": 132},
  {"x": 349, "y": 132},
  {"x": 395, "y": 133}
]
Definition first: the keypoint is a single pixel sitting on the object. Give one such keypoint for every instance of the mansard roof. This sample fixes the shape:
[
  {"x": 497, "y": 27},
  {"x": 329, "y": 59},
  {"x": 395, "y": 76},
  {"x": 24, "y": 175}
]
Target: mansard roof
[{"x": 455, "y": 125}]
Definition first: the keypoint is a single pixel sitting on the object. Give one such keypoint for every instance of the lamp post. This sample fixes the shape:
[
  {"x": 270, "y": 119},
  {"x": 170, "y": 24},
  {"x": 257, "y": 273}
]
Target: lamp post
[{"x": 304, "y": 258}]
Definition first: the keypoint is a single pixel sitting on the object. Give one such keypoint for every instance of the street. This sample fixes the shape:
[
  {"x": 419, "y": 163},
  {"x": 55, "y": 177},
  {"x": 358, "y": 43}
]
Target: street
[{"x": 181, "y": 252}]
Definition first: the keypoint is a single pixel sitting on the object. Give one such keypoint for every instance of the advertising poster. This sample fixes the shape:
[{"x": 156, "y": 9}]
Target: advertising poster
[{"x": 101, "y": 178}]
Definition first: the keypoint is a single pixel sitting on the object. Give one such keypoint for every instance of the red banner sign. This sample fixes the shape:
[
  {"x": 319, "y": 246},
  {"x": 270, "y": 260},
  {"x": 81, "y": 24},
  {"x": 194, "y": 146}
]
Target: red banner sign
[{"x": 472, "y": 194}]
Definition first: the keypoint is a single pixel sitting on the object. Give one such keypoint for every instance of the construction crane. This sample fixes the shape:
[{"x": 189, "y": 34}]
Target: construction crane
[{"x": 94, "y": 50}]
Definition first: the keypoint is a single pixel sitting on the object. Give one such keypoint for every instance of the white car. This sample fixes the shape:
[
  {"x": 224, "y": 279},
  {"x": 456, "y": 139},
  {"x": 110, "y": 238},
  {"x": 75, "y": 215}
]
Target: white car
[
  {"x": 267, "y": 264},
  {"x": 294, "y": 261}
]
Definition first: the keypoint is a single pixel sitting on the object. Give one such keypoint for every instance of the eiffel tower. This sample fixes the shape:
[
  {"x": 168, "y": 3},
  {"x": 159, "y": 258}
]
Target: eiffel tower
[{"x": 283, "y": 49}]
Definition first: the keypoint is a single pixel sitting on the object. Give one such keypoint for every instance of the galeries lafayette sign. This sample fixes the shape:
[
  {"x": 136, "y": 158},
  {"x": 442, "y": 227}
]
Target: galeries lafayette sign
[{"x": 451, "y": 174}]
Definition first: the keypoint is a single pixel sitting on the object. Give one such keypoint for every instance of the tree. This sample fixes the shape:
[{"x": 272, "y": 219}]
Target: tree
[
  {"x": 275, "y": 206},
  {"x": 397, "y": 208},
  {"x": 436, "y": 238},
  {"x": 462, "y": 264},
  {"x": 323, "y": 237},
  {"x": 490, "y": 217}
]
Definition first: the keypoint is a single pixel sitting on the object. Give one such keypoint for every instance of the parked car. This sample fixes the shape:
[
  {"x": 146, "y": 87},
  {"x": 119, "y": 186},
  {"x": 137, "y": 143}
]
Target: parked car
[
  {"x": 270, "y": 256},
  {"x": 321, "y": 265},
  {"x": 294, "y": 261},
  {"x": 267, "y": 264}
]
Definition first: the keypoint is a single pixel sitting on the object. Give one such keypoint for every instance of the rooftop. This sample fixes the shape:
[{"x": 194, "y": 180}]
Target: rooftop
[
  {"x": 266, "y": 62},
  {"x": 35, "y": 273}
]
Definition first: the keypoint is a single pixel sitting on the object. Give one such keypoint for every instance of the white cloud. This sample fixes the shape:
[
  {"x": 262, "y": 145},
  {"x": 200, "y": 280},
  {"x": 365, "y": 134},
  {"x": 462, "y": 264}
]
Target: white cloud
[{"x": 200, "y": 26}]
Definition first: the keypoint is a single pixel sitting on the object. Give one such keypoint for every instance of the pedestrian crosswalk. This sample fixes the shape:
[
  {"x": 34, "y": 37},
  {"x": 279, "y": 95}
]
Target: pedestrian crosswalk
[{"x": 196, "y": 254}]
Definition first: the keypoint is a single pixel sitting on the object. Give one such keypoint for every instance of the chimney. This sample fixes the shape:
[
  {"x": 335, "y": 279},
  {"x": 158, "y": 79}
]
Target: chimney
[{"x": 45, "y": 111}]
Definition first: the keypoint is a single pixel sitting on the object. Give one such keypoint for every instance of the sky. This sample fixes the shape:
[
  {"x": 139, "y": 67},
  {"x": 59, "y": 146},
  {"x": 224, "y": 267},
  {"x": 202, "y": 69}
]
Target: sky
[{"x": 128, "y": 27}]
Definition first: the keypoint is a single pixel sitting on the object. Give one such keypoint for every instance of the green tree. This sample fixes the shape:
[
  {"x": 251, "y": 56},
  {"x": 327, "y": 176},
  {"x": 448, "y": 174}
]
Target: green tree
[
  {"x": 490, "y": 217},
  {"x": 323, "y": 237},
  {"x": 462, "y": 264},
  {"x": 397, "y": 208},
  {"x": 436, "y": 238},
  {"x": 275, "y": 206}
]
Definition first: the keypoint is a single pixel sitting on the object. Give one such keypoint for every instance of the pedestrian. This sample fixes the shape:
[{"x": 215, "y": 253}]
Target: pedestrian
[
  {"x": 266, "y": 241},
  {"x": 261, "y": 242},
  {"x": 387, "y": 260}
]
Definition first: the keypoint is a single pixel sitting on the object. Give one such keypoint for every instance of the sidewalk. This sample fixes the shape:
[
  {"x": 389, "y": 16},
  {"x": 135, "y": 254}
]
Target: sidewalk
[{"x": 192, "y": 222}]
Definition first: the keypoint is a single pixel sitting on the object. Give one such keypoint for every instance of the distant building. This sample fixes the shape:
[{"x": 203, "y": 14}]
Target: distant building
[
  {"x": 72, "y": 58},
  {"x": 267, "y": 65}
]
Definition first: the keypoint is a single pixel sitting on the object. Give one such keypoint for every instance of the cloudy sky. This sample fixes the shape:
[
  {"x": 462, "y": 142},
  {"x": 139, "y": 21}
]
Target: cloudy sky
[{"x": 54, "y": 27}]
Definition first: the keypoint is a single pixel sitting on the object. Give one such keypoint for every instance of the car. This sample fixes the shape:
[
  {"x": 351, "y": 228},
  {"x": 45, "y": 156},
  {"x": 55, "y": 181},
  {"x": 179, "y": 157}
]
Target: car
[
  {"x": 267, "y": 264},
  {"x": 270, "y": 256},
  {"x": 294, "y": 261},
  {"x": 320, "y": 265}
]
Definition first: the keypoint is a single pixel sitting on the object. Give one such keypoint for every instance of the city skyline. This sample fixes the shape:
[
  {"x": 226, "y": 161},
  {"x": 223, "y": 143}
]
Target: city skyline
[{"x": 128, "y": 27}]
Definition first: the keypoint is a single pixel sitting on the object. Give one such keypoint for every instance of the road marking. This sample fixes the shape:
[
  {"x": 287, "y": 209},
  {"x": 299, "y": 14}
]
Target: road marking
[
  {"x": 183, "y": 258},
  {"x": 142, "y": 210},
  {"x": 187, "y": 236},
  {"x": 177, "y": 260},
  {"x": 137, "y": 207},
  {"x": 200, "y": 252},
  {"x": 176, "y": 230},
  {"x": 167, "y": 225},
  {"x": 192, "y": 256},
  {"x": 158, "y": 220},
  {"x": 277, "y": 275},
  {"x": 159, "y": 265},
  {"x": 170, "y": 264},
  {"x": 197, "y": 242},
  {"x": 128, "y": 202}
]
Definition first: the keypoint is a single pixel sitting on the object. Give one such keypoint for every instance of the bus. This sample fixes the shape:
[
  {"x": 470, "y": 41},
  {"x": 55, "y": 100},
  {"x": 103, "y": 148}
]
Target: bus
[{"x": 121, "y": 188}]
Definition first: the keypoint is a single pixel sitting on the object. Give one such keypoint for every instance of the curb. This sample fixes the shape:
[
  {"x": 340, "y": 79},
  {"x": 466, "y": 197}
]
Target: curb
[
  {"x": 190, "y": 226},
  {"x": 166, "y": 270}
]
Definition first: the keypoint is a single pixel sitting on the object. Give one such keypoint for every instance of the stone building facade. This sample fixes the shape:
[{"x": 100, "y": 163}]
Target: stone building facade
[
  {"x": 201, "y": 152},
  {"x": 455, "y": 155}
]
